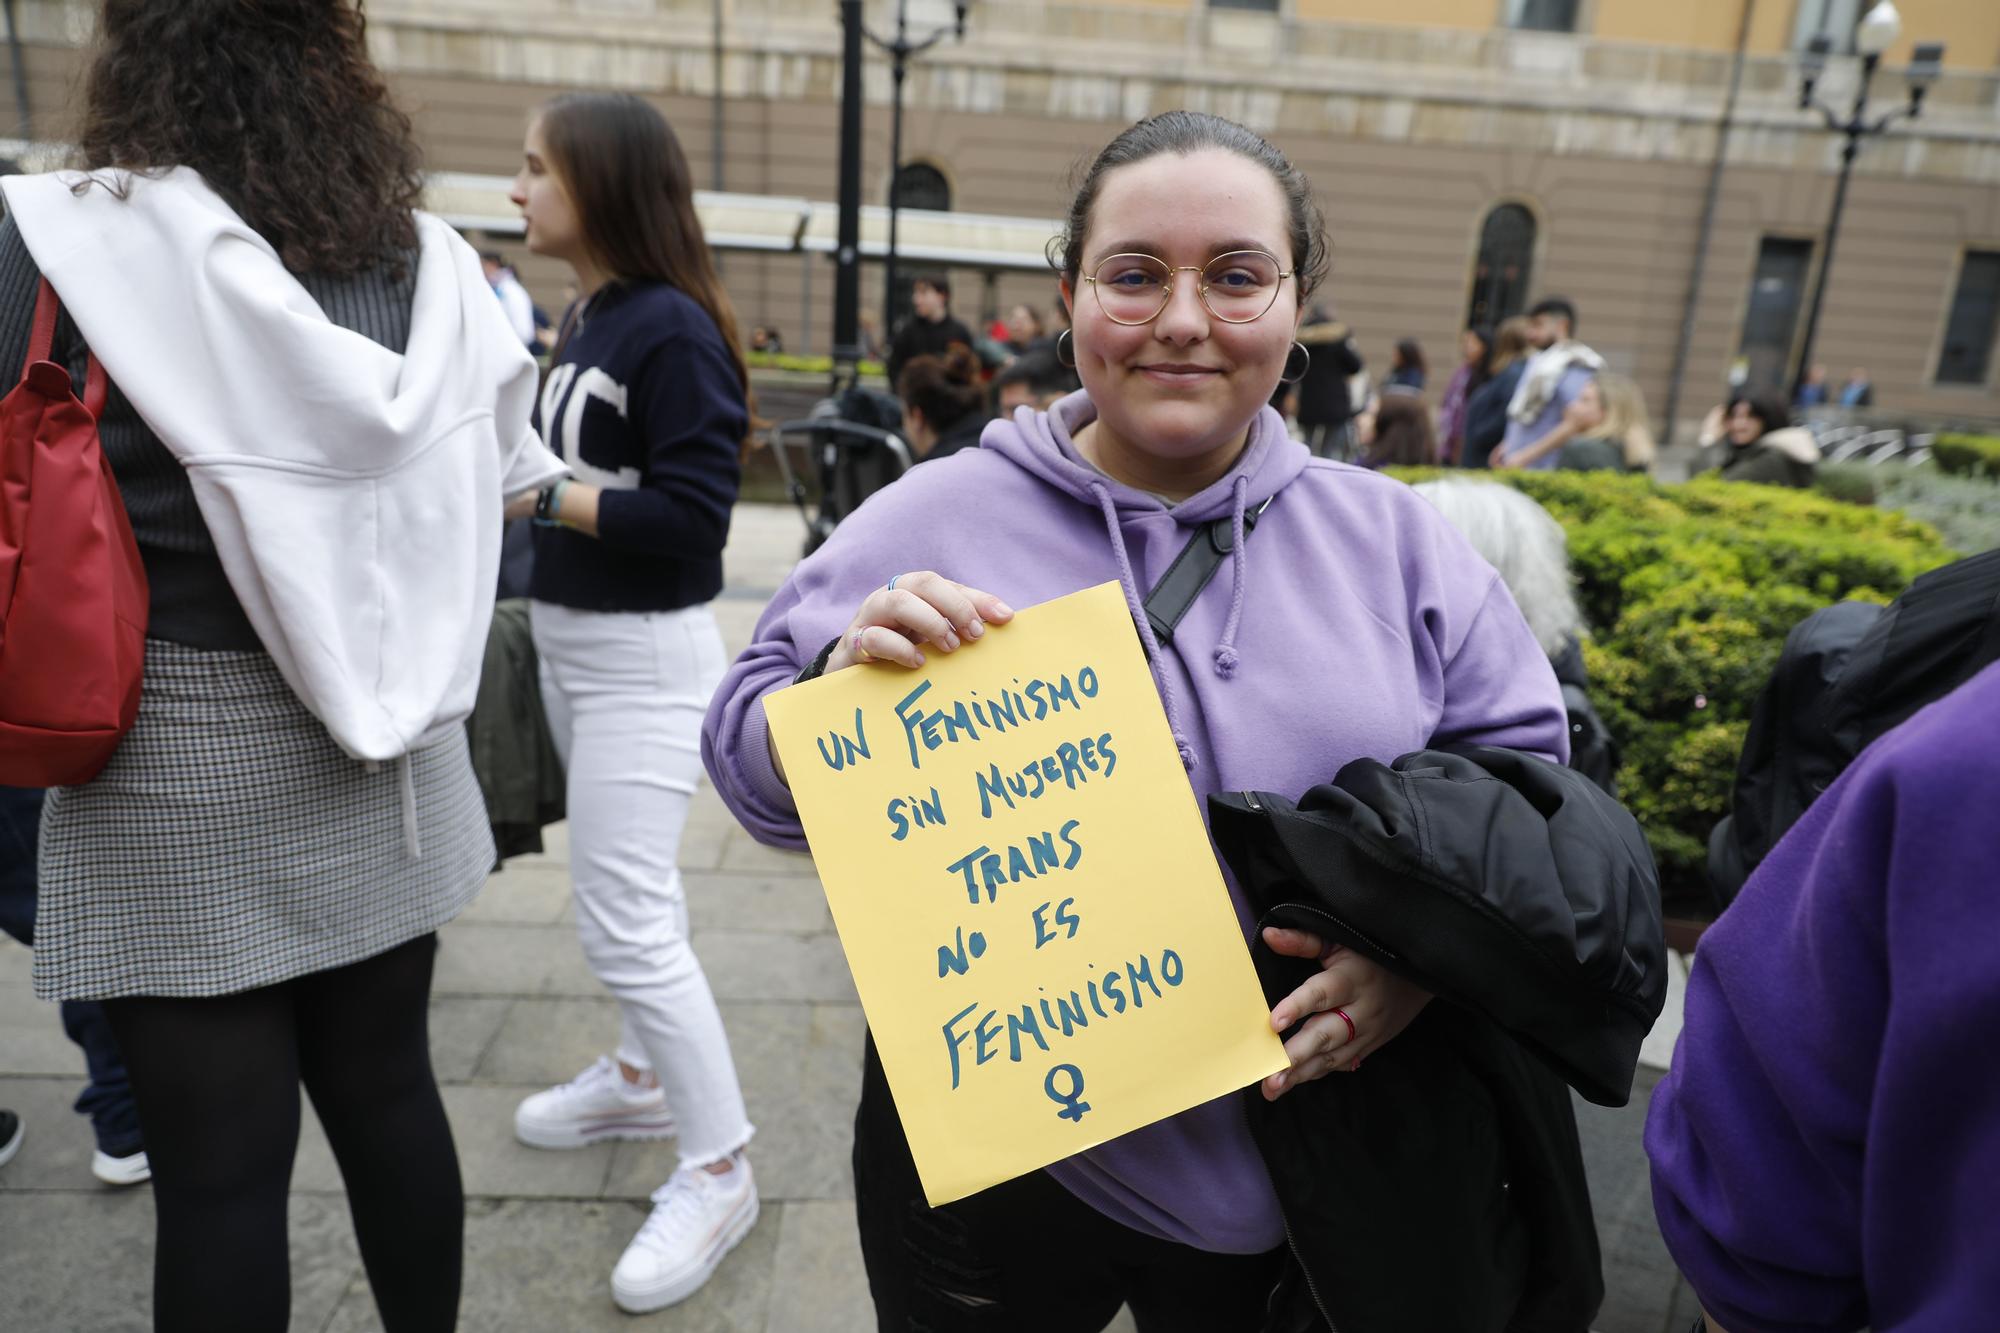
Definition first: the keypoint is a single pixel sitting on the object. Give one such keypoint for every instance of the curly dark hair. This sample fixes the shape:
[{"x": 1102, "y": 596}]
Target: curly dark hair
[{"x": 277, "y": 105}]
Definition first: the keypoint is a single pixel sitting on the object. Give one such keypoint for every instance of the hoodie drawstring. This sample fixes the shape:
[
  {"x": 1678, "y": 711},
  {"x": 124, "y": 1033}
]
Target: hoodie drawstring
[
  {"x": 406, "y": 780},
  {"x": 1225, "y": 648},
  {"x": 1146, "y": 634},
  {"x": 406, "y": 792}
]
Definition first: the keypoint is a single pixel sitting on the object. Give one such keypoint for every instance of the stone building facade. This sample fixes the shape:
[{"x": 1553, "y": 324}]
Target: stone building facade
[{"x": 1470, "y": 154}]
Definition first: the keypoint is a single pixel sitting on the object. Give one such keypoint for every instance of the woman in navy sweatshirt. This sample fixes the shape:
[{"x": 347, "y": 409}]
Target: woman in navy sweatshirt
[{"x": 647, "y": 403}]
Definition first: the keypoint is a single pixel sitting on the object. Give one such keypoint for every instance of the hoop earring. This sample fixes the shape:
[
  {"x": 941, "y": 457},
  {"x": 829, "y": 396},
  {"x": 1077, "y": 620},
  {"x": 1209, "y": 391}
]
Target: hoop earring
[
  {"x": 1299, "y": 357},
  {"x": 1066, "y": 349}
]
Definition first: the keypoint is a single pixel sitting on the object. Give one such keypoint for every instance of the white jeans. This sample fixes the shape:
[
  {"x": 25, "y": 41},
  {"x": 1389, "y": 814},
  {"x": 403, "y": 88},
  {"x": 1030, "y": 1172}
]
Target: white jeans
[{"x": 625, "y": 693}]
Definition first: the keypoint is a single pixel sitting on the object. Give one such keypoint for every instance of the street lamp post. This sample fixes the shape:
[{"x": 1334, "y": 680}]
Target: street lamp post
[
  {"x": 901, "y": 51},
  {"x": 1876, "y": 33},
  {"x": 847, "y": 348}
]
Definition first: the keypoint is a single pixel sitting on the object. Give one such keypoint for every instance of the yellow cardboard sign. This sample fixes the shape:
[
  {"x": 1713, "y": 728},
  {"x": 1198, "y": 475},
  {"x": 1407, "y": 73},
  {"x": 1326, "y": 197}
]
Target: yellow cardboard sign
[{"x": 1033, "y": 914}]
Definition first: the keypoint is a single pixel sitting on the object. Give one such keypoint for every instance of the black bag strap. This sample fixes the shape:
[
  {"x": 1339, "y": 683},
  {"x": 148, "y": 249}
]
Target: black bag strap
[{"x": 1171, "y": 597}]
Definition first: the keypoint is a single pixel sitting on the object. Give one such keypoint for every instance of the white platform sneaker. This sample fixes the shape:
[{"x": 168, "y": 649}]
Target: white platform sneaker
[
  {"x": 698, "y": 1217},
  {"x": 596, "y": 1105},
  {"x": 131, "y": 1169}
]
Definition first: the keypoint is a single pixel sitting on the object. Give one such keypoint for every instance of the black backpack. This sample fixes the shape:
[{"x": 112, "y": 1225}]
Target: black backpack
[
  {"x": 1593, "y": 750},
  {"x": 1849, "y": 673}
]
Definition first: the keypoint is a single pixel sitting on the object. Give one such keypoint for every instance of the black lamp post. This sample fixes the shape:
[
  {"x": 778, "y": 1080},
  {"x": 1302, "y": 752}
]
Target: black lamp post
[
  {"x": 1876, "y": 33},
  {"x": 901, "y": 51},
  {"x": 847, "y": 348}
]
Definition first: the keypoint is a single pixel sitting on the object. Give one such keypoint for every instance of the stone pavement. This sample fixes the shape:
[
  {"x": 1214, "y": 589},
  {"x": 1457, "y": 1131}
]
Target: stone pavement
[{"x": 515, "y": 1009}]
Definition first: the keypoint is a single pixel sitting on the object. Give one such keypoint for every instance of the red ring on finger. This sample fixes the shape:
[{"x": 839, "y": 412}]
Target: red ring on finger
[
  {"x": 867, "y": 656},
  {"x": 1352, "y": 1035}
]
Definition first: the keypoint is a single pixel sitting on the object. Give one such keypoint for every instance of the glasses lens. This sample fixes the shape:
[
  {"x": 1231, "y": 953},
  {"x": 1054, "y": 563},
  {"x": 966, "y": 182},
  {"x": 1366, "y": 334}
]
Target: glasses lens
[
  {"x": 1240, "y": 286},
  {"x": 1131, "y": 288}
]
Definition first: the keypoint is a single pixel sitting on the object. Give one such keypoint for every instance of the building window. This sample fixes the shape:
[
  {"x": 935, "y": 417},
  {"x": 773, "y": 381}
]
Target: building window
[
  {"x": 1771, "y": 315},
  {"x": 918, "y": 185},
  {"x": 1836, "y": 18},
  {"x": 1968, "y": 330},
  {"x": 921, "y": 185},
  {"x": 1543, "y": 15},
  {"x": 1505, "y": 265}
]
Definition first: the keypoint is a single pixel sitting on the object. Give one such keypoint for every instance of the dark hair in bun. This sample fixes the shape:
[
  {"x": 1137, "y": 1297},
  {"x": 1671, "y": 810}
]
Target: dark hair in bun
[{"x": 945, "y": 389}]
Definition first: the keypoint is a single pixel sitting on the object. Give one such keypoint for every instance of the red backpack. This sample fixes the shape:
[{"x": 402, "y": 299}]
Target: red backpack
[{"x": 73, "y": 596}]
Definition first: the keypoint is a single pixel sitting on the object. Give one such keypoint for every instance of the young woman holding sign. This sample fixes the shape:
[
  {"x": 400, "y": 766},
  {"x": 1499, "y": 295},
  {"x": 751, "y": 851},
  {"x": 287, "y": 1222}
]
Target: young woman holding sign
[{"x": 1354, "y": 623}]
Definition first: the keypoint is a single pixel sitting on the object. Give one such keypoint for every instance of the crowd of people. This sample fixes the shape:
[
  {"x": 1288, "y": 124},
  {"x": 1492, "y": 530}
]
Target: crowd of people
[
  {"x": 1530, "y": 394},
  {"x": 244, "y": 898}
]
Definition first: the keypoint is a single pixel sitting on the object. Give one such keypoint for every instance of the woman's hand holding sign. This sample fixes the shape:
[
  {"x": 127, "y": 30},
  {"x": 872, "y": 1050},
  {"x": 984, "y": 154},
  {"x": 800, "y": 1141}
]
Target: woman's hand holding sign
[
  {"x": 895, "y": 621},
  {"x": 1352, "y": 1007}
]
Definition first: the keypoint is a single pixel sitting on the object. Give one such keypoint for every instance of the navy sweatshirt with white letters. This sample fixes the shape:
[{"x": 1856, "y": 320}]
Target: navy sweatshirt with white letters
[{"x": 644, "y": 402}]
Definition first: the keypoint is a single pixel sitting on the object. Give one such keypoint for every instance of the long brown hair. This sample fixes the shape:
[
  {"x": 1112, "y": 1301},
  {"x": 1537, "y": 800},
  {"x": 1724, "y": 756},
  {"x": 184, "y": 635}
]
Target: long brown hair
[
  {"x": 279, "y": 108},
  {"x": 634, "y": 198},
  {"x": 1510, "y": 344}
]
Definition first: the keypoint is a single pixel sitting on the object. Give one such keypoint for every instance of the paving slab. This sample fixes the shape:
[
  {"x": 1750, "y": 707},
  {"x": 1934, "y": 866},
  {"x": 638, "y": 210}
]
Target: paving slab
[
  {"x": 743, "y": 852},
  {"x": 462, "y": 1028},
  {"x": 1641, "y": 1283},
  {"x": 30, "y": 1043},
  {"x": 496, "y": 1165},
  {"x": 477, "y": 958},
  {"x": 823, "y": 1285},
  {"x": 56, "y": 1142},
  {"x": 81, "y": 1260},
  {"x": 756, "y": 901},
  {"x": 16, "y": 964},
  {"x": 755, "y": 965},
  {"x": 800, "y": 1066},
  {"x": 539, "y": 1267},
  {"x": 527, "y": 893}
]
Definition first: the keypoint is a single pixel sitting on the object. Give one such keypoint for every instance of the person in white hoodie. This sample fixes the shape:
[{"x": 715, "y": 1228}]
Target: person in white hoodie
[
  {"x": 1762, "y": 444},
  {"x": 316, "y": 414}
]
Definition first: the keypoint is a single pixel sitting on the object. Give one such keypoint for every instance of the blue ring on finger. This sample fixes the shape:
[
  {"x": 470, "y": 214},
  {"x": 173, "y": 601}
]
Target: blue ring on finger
[{"x": 892, "y": 582}]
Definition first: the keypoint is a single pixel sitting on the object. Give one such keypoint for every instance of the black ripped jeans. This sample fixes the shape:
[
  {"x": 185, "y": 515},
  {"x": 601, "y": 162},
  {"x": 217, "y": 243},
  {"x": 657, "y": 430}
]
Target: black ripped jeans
[
  {"x": 218, "y": 1086},
  {"x": 1027, "y": 1254}
]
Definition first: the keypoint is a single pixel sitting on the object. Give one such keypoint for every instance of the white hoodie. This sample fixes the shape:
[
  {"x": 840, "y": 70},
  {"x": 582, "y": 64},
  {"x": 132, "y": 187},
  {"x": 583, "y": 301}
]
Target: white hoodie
[{"x": 354, "y": 494}]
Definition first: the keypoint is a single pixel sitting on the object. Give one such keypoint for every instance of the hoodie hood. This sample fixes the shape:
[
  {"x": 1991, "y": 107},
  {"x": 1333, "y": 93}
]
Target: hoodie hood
[
  {"x": 1794, "y": 442},
  {"x": 1043, "y": 444},
  {"x": 353, "y": 492}
]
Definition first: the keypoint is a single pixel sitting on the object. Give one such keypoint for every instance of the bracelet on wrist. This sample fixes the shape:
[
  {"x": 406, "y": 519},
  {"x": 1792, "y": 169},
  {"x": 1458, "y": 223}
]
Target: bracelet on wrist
[{"x": 548, "y": 505}]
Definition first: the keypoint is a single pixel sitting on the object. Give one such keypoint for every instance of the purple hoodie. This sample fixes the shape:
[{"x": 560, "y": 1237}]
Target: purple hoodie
[
  {"x": 1826, "y": 1148},
  {"x": 1355, "y": 622}
]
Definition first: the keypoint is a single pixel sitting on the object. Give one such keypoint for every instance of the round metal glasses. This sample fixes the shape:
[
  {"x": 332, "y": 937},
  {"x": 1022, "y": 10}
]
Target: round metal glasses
[{"x": 1236, "y": 287}]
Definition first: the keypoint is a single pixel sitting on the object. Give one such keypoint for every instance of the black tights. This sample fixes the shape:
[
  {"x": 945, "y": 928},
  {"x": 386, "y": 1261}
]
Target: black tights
[{"x": 217, "y": 1081}]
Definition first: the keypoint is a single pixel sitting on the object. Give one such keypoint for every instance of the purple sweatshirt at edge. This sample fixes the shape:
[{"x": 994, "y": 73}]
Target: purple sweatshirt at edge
[
  {"x": 1354, "y": 623},
  {"x": 1826, "y": 1148}
]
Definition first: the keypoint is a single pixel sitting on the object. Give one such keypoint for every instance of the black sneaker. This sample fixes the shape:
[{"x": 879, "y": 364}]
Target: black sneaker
[{"x": 11, "y": 1130}]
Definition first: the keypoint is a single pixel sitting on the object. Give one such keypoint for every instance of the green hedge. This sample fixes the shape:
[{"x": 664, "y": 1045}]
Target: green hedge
[
  {"x": 815, "y": 365},
  {"x": 1968, "y": 455},
  {"x": 1689, "y": 591},
  {"x": 1964, "y": 509}
]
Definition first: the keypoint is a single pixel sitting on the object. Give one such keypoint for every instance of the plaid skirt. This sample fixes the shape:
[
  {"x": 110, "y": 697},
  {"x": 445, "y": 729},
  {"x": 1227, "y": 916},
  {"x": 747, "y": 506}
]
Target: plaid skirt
[{"x": 230, "y": 844}]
